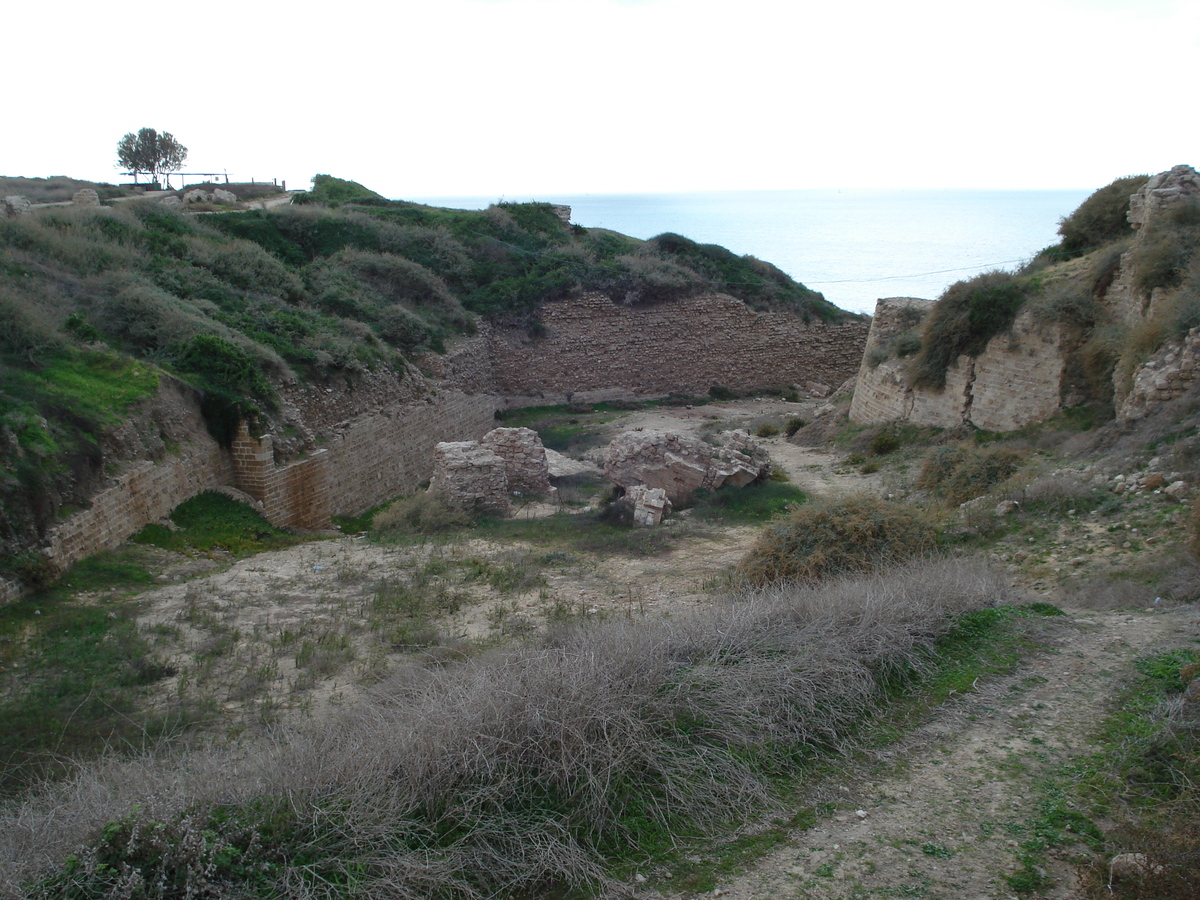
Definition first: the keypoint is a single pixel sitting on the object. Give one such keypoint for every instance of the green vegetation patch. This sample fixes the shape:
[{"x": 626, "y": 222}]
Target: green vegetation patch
[
  {"x": 838, "y": 536},
  {"x": 753, "y": 503},
  {"x": 72, "y": 672},
  {"x": 212, "y": 521},
  {"x": 968, "y": 315}
]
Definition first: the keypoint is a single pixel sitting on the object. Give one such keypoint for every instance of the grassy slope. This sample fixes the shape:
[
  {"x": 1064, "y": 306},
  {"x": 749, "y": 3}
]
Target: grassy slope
[{"x": 231, "y": 300}]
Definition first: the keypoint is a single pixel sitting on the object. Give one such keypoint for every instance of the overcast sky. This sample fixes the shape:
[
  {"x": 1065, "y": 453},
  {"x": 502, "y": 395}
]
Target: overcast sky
[{"x": 517, "y": 97}]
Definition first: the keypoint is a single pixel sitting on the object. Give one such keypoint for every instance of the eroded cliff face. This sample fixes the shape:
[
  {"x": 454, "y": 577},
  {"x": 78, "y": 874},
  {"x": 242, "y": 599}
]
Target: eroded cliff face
[{"x": 1024, "y": 375}]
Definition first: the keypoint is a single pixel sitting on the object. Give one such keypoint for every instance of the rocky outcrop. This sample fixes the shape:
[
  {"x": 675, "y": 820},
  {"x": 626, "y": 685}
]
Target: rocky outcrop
[
  {"x": 1162, "y": 192},
  {"x": 679, "y": 464}
]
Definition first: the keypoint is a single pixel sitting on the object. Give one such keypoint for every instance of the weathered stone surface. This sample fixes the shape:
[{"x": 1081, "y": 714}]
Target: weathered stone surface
[
  {"x": 469, "y": 476},
  {"x": 675, "y": 462},
  {"x": 594, "y": 349},
  {"x": 1016, "y": 380},
  {"x": 524, "y": 456},
  {"x": 738, "y": 461},
  {"x": 220, "y": 195},
  {"x": 171, "y": 200},
  {"x": 1163, "y": 377},
  {"x": 15, "y": 205},
  {"x": 1178, "y": 185},
  {"x": 649, "y": 504},
  {"x": 681, "y": 465},
  {"x": 85, "y": 197},
  {"x": 196, "y": 195},
  {"x": 560, "y": 466}
]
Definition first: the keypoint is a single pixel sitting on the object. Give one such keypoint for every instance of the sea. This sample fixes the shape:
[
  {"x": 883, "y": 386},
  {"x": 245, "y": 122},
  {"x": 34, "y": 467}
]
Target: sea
[{"x": 854, "y": 246}]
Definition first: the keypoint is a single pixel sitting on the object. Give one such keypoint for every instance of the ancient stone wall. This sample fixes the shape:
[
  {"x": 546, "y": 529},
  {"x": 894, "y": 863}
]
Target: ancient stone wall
[
  {"x": 1164, "y": 377},
  {"x": 1015, "y": 381},
  {"x": 145, "y": 492},
  {"x": 592, "y": 347}
]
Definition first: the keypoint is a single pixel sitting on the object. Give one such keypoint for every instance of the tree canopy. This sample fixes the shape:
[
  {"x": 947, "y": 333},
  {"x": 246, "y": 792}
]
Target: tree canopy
[{"x": 150, "y": 153}]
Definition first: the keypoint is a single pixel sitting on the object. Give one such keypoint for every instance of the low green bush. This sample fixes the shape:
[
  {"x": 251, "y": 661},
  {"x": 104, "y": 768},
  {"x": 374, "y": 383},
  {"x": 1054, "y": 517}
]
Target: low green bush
[
  {"x": 212, "y": 521},
  {"x": 957, "y": 474},
  {"x": 1101, "y": 218},
  {"x": 834, "y": 537},
  {"x": 967, "y": 316}
]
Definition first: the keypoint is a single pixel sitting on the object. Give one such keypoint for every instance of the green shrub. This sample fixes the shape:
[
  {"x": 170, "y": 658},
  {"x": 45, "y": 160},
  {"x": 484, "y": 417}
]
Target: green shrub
[
  {"x": 336, "y": 191},
  {"x": 211, "y": 521},
  {"x": 835, "y": 537},
  {"x": 967, "y": 316},
  {"x": 1167, "y": 247},
  {"x": 422, "y": 513},
  {"x": 958, "y": 474},
  {"x": 794, "y": 424},
  {"x": 720, "y": 392},
  {"x": 1101, "y": 218}
]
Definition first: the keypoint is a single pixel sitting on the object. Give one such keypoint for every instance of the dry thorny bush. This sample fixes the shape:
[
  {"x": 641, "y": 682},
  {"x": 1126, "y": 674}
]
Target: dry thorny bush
[{"x": 521, "y": 766}]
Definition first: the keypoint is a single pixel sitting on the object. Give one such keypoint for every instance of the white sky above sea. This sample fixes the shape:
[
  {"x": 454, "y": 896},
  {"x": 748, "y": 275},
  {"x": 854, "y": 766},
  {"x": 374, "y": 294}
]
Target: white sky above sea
[{"x": 520, "y": 97}]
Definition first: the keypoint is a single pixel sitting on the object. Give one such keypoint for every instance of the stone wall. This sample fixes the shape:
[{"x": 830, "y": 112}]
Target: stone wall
[
  {"x": 1018, "y": 379},
  {"x": 1164, "y": 377},
  {"x": 373, "y": 458},
  {"x": 145, "y": 492},
  {"x": 593, "y": 347}
]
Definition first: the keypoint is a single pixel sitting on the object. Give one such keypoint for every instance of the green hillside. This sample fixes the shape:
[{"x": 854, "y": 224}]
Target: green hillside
[{"x": 95, "y": 301}]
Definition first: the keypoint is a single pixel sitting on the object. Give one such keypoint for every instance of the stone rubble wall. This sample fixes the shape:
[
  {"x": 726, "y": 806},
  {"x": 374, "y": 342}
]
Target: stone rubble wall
[
  {"x": 1164, "y": 377},
  {"x": 593, "y": 348},
  {"x": 470, "y": 476},
  {"x": 680, "y": 464},
  {"x": 1015, "y": 381},
  {"x": 525, "y": 463},
  {"x": 374, "y": 458}
]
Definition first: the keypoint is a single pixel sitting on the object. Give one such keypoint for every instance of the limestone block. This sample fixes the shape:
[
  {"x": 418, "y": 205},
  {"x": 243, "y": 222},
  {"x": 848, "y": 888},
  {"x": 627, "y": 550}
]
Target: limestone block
[
  {"x": 220, "y": 195},
  {"x": 1179, "y": 185},
  {"x": 670, "y": 460},
  {"x": 649, "y": 504},
  {"x": 15, "y": 205},
  {"x": 85, "y": 197},
  {"x": 195, "y": 195},
  {"x": 170, "y": 200},
  {"x": 468, "y": 476}
]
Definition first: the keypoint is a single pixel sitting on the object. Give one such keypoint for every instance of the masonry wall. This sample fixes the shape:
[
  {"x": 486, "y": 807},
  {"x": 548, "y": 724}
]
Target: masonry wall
[
  {"x": 594, "y": 345},
  {"x": 145, "y": 492},
  {"x": 1015, "y": 381}
]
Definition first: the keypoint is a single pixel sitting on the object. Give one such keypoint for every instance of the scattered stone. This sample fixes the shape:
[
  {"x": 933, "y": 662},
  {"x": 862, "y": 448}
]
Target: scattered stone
[
  {"x": 1006, "y": 507},
  {"x": 195, "y": 195},
  {"x": 1176, "y": 490},
  {"x": 649, "y": 504},
  {"x": 681, "y": 465},
  {"x": 171, "y": 200},
  {"x": 220, "y": 195}
]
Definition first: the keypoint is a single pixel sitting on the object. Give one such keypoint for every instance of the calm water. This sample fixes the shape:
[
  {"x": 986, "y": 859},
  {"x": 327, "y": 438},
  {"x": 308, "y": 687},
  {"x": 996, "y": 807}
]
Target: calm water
[{"x": 854, "y": 246}]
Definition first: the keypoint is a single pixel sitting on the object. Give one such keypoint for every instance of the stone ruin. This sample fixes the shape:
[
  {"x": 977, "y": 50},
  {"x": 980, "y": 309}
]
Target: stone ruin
[
  {"x": 484, "y": 475},
  {"x": 85, "y": 197},
  {"x": 217, "y": 195},
  {"x": 660, "y": 470},
  {"x": 15, "y": 205}
]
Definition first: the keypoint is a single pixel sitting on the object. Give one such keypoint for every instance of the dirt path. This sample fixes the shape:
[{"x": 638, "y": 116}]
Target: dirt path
[{"x": 941, "y": 815}]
